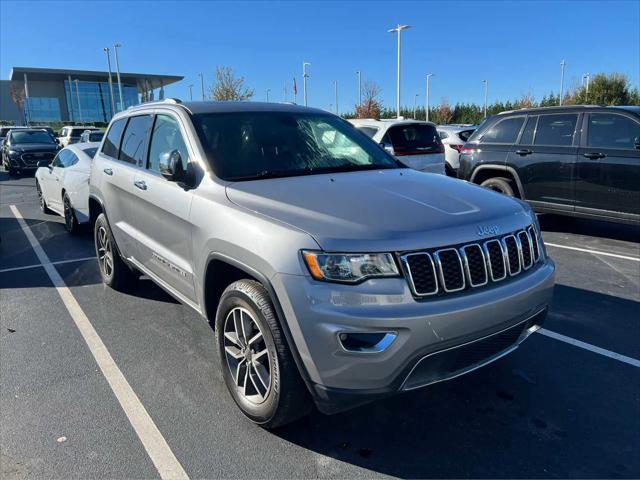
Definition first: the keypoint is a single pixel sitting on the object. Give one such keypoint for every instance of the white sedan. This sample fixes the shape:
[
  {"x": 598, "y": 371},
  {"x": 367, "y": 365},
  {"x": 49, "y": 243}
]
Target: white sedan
[{"x": 63, "y": 186}]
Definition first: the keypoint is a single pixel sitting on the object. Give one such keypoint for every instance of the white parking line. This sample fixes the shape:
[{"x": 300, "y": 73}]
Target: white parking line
[
  {"x": 595, "y": 252},
  {"x": 36, "y": 265},
  {"x": 588, "y": 346},
  {"x": 154, "y": 443}
]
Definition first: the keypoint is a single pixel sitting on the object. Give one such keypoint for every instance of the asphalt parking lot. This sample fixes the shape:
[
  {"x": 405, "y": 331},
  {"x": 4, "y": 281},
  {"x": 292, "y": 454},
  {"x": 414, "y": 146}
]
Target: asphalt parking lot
[{"x": 565, "y": 404}]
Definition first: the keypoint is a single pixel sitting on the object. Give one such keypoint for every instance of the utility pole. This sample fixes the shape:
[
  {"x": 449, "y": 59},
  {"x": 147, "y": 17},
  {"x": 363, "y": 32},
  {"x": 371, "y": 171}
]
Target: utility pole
[
  {"x": 267, "y": 94},
  {"x": 398, "y": 30},
  {"x": 562, "y": 64},
  {"x": 113, "y": 106},
  {"x": 305, "y": 75},
  {"x": 415, "y": 105},
  {"x": 586, "y": 76},
  {"x": 336, "y": 87},
  {"x": 359, "y": 88},
  {"x": 285, "y": 92},
  {"x": 426, "y": 106},
  {"x": 115, "y": 52},
  {"x": 202, "y": 84},
  {"x": 191, "y": 92},
  {"x": 486, "y": 90}
]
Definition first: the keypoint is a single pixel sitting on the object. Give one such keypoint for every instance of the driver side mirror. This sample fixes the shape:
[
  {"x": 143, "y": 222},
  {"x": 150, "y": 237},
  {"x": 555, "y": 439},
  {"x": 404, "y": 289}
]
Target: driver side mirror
[
  {"x": 387, "y": 147},
  {"x": 170, "y": 165}
]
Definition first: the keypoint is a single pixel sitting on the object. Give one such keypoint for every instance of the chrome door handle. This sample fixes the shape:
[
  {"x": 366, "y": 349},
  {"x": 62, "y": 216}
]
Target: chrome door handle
[
  {"x": 594, "y": 155},
  {"x": 140, "y": 184},
  {"x": 524, "y": 152},
  {"x": 108, "y": 171}
]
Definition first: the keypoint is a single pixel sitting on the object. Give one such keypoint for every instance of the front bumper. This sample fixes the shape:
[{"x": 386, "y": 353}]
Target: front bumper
[{"x": 317, "y": 313}]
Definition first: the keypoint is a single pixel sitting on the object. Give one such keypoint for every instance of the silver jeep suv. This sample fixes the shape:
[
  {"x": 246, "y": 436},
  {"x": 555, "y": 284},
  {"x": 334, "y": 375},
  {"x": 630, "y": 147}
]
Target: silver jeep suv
[{"x": 331, "y": 273}]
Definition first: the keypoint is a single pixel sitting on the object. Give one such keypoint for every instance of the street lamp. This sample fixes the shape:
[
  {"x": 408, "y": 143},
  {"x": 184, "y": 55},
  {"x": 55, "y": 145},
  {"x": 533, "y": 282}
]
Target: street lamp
[
  {"x": 586, "y": 76},
  {"x": 359, "y": 88},
  {"x": 191, "y": 92},
  {"x": 398, "y": 30},
  {"x": 426, "y": 106},
  {"x": 113, "y": 107},
  {"x": 336, "y": 87},
  {"x": 415, "y": 104},
  {"x": 562, "y": 64},
  {"x": 202, "y": 84},
  {"x": 305, "y": 75},
  {"x": 267, "y": 94},
  {"x": 486, "y": 90},
  {"x": 115, "y": 52}
]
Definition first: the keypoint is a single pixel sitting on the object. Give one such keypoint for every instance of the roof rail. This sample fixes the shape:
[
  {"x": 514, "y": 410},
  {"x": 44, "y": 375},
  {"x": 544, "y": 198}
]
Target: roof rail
[{"x": 174, "y": 101}]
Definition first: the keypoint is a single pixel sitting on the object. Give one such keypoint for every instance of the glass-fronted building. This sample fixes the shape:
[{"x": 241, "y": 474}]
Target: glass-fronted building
[{"x": 80, "y": 96}]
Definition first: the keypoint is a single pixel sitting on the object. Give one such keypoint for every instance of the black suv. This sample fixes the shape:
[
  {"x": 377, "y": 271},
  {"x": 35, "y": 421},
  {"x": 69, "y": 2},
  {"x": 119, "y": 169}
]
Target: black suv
[{"x": 574, "y": 160}]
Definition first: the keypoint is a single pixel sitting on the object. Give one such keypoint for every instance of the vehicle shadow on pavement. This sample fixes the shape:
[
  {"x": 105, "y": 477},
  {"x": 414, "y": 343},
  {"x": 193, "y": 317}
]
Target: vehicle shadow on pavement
[{"x": 590, "y": 228}]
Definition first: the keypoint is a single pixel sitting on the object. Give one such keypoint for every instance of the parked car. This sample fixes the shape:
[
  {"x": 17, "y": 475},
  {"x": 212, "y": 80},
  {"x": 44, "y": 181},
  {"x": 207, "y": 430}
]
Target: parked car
[
  {"x": 71, "y": 135},
  {"x": 91, "y": 136},
  {"x": 331, "y": 271},
  {"x": 575, "y": 160},
  {"x": 25, "y": 149},
  {"x": 415, "y": 143},
  {"x": 63, "y": 186},
  {"x": 453, "y": 138},
  {"x": 4, "y": 130}
]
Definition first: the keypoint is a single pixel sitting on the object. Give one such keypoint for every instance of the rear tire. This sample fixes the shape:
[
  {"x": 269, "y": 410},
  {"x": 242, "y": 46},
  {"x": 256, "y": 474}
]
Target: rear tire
[
  {"x": 257, "y": 365},
  {"x": 114, "y": 271},
  {"x": 500, "y": 185},
  {"x": 70, "y": 219},
  {"x": 43, "y": 202}
]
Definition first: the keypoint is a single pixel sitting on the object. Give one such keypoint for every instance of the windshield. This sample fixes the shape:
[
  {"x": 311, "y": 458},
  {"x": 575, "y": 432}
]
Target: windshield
[
  {"x": 412, "y": 139},
  {"x": 76, "y": 132},
  {"x": 250, "y": 145},
  {"x": 95, "y": 136},
  {"x": 38, "y": 136}
]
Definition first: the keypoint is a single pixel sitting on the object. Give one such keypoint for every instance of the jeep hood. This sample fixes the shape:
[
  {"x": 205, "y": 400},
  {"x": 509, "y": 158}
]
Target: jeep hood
[{"x": 386, "y": 210}]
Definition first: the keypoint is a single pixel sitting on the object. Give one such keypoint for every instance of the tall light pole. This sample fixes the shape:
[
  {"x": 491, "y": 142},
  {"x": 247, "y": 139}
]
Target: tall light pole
[
  {"x": 202, "y": 84},
  {"x": 305, "y": 75},
  {"x": 486, "y": 90},
  {"x": 267, "y": 94},
  {"x": 415, "y": 105},
  {"x": 562, "y": 64},
  {"x": 113, "y": 107},
  {"x": 78, "y": 97},
  {"x": 398, "y": 30},
  {"x": 115, "y": 52},
  {"x": 359, "y": 88},
  {"x": 285, "y": 92},
  {"x": 426, "y": 105},
  {"x": 191, "y": 92},
  {"x": 587, "y": 77},
  {"x": 335, "y": 83}
]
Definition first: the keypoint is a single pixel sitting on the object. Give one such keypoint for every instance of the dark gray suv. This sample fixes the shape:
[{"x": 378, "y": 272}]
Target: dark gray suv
[{"x": 331, "y": 273}]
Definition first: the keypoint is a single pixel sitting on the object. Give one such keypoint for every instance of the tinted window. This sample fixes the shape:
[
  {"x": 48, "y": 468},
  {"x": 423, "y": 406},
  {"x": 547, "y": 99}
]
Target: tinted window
[
  {"x": 30, "y": 136},
  {"x": 63, "y": 159},
  {"x": 134, "y": 141},
  {"x": 69, "y": 160},
  {"x": 368, "y": 131},
  {"x": 465, "y": 134},
  {"x": 529, "y": 131},
  {"x": 95, "y": 136},
  {"x": 76, "y": 133},
  {"x": 504, "y": 131},
  {"x": 112, "y": 142},
  {"x": 415, "y": 138},
  {"x": 556, "y": 129},
  {"x": 165, "y": 138},
  {"x": 91, "y": 152},
  {"x": 250, "y": 145},
  {"x": 608, "y": 130},
  {"x": 443, "y": 135}
]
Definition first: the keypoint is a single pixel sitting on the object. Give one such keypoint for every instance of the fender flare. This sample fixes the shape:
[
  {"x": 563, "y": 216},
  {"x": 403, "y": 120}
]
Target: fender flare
[{"x": 504, "y": 168}]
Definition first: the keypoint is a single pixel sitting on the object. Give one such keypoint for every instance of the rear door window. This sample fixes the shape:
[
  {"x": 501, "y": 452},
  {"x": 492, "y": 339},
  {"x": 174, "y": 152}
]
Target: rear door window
[
  {"x": 503, "y": 131},
  {"x": 529, "y": 131},
  {"x": 111, "y": 144},
  {"x": 556, "y": 130},
  {"x": 414, "y": 139},
  {"x": 607, "y": 130},
  {"x": 133, "y": 148}
]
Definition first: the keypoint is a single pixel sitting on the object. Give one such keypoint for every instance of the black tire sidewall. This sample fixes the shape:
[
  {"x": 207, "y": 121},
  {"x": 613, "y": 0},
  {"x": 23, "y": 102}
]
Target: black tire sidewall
[
  {"x": 499, "y": 185},
  {"x": 258, "y": 413},
  {"x": 101, "y": 221},
  {"x": 74, "y": 227}
]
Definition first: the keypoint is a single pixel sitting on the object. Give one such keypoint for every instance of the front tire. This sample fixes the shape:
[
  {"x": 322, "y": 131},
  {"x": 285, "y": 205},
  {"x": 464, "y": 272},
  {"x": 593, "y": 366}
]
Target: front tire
[
  {"x": 257, "y": 365},
  {"x": 114, "y": 271},
  {"x": 500, "y": 185}
]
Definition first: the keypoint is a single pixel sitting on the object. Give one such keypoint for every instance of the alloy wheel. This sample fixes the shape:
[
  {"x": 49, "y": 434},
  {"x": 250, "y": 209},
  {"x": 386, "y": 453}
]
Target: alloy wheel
[
  {"x": 247, "y": 355},
  {"x": 105, "y": 253},
  {"x": 68, "y": 214}
]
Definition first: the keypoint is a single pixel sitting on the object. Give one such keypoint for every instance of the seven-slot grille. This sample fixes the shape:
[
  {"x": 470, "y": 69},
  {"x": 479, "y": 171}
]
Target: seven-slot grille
[
  {"x": 450, "y": 269},
  {"x": 34, "y": 158}
]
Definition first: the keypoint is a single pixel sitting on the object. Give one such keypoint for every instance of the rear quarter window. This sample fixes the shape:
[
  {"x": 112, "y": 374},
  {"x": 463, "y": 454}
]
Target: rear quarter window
[{"x": 556, "y": 130}]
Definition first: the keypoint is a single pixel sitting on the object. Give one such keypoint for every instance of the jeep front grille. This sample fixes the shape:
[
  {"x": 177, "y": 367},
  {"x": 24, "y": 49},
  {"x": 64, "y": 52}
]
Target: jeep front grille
[{"x": 453, "y": 269}]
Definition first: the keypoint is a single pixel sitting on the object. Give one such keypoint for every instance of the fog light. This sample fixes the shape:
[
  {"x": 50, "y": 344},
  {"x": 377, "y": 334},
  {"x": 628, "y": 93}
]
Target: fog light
[{"x": 366, "y": 342}]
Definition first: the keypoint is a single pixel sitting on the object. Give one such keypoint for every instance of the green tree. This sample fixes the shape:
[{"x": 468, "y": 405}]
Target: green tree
[{"x": 611, "y": 89}]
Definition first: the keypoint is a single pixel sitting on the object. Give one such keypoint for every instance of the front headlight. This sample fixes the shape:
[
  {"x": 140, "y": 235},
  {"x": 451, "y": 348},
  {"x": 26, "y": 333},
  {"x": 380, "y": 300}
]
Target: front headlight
[
  {"x": 349, "y": 267},
  {"x": 15, "y": 153}
]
